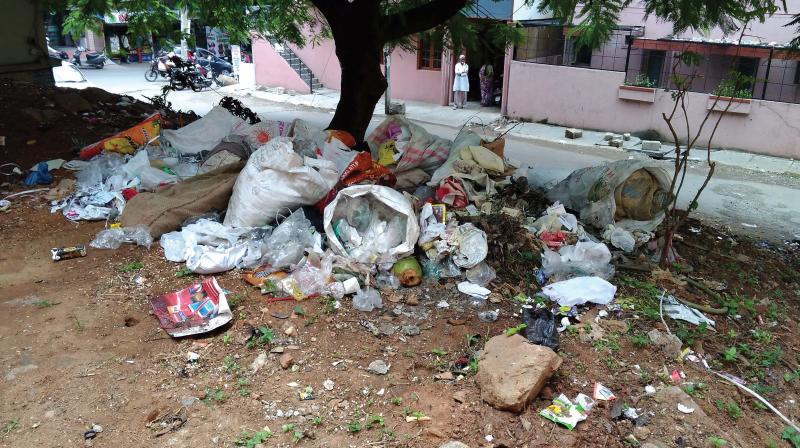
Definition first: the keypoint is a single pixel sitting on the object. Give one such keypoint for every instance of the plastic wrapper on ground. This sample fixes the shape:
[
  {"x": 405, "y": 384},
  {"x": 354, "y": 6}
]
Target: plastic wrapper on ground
[
  {"x": 580, "y": 290},
  {"x": 116, "y": 237},
  {"x": 541, "y": 327},
  {"x": 197, "y": 309}
]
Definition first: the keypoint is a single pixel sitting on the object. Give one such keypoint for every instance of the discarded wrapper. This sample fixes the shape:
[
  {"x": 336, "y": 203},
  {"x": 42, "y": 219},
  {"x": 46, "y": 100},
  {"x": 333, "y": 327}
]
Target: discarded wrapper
[
  {"x": 566, "y": 413},
  {"x": 307, "y": 393},
  {"x": 603, "y": 393},
  {"x": 197, "y": 309},
  {"x": 65, "y": 253}
]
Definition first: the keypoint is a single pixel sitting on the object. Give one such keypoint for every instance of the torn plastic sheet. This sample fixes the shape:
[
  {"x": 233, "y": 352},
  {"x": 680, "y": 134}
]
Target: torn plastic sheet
[
  {"x": 580, "y": 290},
  {"x": 474, "y": 290},
  {"x": 679, "y": 311},
  {"x": 90, "y": 206}
]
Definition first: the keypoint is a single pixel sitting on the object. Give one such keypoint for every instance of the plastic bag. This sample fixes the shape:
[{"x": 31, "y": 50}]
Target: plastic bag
[
  {"x": 471, "y": 245},
  {"x": 580, "y": 290},
  {"x": 367, "y": 300},
  {"x": 205, "y": 133},
  {"x": 310, "y": 278},
  {"x": 630, "y": 192},
  {"x": 276, "y": 178},
  {"x": 481, "y": 274},
  {"x": 289, "y": 241},
  {"x": 584, "y": 258},
  {"x": 114, "y": 238},
  {"x": 541, "y": 327},
  {"x": 175, "y": 247},
  {"x": 211, "y": 260},
  {"x": 391, "y": 233},
  {"x": 40, "y": 176},
  {"x": 620, "y": 238}
]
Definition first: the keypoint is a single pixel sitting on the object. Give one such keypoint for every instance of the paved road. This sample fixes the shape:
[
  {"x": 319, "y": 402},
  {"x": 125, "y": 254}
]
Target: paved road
[{"x": 735, "y": 198}]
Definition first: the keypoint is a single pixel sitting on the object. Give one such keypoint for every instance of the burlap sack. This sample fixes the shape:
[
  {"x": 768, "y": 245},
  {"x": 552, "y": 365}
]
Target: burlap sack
[{"x": 165, "y": 209}]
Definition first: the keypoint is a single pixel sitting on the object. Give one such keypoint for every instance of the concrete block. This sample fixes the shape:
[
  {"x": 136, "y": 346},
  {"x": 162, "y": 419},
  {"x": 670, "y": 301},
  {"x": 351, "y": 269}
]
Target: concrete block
[
  {"x": 573, "y": 133},
  {"x": 616, "y": 142},
  {"x": 608, "y": 136},
  {"x": 651, "y": 145},
  {"x": 626, "y": 136}
]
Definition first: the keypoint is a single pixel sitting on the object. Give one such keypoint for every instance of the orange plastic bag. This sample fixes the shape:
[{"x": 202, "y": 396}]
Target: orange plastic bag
[{"x": 127, "y": 141}]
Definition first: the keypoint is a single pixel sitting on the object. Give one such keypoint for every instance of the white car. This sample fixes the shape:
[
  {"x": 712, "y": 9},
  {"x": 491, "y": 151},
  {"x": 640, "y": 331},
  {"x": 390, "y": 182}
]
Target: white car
[{"x": 68, "y": 75}]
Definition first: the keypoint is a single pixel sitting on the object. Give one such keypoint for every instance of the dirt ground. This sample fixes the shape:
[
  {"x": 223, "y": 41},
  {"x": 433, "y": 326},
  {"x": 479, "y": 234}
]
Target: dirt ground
[{"x": 79, "y": 347}]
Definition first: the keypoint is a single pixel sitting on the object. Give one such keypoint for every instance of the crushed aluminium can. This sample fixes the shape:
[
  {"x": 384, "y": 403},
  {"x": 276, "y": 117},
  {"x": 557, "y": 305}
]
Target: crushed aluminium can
[{"x": 65, "y": 253}]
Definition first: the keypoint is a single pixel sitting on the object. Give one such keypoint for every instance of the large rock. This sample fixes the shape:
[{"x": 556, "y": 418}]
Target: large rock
[
  {"x": 669, "y": 344},
  {"x": 512, "y": 371}
]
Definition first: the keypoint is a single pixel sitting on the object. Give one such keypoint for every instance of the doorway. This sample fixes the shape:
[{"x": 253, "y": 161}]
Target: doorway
[{"x": 485, "y": 50}]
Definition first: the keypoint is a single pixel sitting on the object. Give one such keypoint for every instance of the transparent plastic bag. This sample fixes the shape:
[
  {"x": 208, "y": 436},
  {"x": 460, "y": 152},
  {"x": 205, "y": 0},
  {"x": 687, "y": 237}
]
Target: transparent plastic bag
[
  {"x": 288, "y": 242},
  {"x": 584, "y": 258},
  {"x": 175, "y": 248},
  {"x": 367, "y": 300},
  {"x": 114, "y": 238},
  {"x": 481, "y": 274}
]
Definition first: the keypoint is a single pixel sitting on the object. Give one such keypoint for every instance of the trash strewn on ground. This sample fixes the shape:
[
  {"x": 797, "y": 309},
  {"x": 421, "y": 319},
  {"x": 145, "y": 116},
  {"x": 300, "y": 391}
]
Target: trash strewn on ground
[{"x": 196, "y": 309}]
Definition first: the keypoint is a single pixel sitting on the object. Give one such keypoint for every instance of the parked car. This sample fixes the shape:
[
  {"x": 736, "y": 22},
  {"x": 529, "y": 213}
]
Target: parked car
[
  {"x": 218, "y": 65},
  {"x": 68, "y": 75}
]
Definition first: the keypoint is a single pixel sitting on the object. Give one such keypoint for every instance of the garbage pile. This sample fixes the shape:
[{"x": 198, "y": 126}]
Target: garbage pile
[{"x": 304, "y": 215}]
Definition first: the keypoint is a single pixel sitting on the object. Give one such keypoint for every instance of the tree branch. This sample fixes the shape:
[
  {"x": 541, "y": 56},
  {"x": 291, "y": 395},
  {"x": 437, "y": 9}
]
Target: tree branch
[{"x": 419, "y": 19}]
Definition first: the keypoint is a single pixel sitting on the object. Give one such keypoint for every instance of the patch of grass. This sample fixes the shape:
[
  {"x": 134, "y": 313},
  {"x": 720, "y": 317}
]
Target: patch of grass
[
  {"x": 374, "y": 420},
  {"x": 791, "y": 435},
  {"x": 45, "y": 303},
  {"x": 288, "y": 427},
  {"x": 78, "y": 323},
  {"x": 612, "y": 363},
  {"x": 233, "y": 299},
  {"x": 251, "y": 439},
  {"x": 731, "y": 407},
  {"x": 397, "y": 401},
  {"x": 439, "y": 352},
  {"x": 265, "y": 336},
  {"x": 769, "y": 357},
  {"x": 689, "y": 334},
  {"x": 514, "y": 330},
  {"x": 230, "y": 364},
  {"x": 241, "y": 386},
  {"x": 762, "y": 336},
  {"x": 762, "y": 389},
  {"x": 730, "y": 354},
  {"x": 226, "y": 339},
  {"x": 316, "y": 421},
  {"x": 354, "y": 427},
  {"x": 695, "y": 390},
  {"x": 8, "y": 426},
  {"x": 791, "y": 376},
  {"x": 132, "y": 266},
  {"x": 330, "y": 305},
  {"x": 215, "y": 395},
  {"x": 717, "y": 441},
  {"x": 299, "y": 311},
  {"x": 184, "y": 272},
  {"x": 414, "y": 397},
  {"x": 639, "y": 340}
]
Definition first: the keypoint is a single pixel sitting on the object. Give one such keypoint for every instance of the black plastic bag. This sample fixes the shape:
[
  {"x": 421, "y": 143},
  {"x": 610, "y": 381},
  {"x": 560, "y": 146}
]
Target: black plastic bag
[{"x": 541, "y": 327}]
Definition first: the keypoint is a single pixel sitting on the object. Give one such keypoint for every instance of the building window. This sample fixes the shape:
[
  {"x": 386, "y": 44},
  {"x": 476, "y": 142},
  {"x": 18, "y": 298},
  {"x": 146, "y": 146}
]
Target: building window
[
  {"x": 583, "y": 55},
  {"x": 429, "y": 53},
  {"x": 797, "y": 73},
  {"x": 747, "y": 67}
]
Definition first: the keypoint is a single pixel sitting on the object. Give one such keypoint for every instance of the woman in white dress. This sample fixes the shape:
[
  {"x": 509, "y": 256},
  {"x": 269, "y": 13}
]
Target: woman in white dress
[{"x": 461, "y": 83}]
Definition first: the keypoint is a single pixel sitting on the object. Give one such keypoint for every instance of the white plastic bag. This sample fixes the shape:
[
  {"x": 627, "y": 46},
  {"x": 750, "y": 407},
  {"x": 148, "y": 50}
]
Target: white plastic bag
[
  {"x": 584, "y": 258},
  {"x": 471, "y": 246},
  {"x": 579, "y": 290},
  {"x": 205, "y": 133},
  {"x": 386, "y": 206},
  {"x": 276, "y": 178},
  {"x": 620, "y": 238},
  {"x": 289, "y": 241}
]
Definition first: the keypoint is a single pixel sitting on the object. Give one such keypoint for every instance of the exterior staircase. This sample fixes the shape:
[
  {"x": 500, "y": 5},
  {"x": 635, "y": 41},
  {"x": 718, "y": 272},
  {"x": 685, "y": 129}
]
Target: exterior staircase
[{"x": 296, "y": 64}]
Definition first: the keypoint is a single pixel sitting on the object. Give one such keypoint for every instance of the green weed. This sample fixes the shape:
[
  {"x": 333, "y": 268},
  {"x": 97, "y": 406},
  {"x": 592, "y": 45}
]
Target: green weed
[
  {"x": 251, "y": 439},
  {"x": 264, "y": 336},
  {"x": 731, "y": 407},
  {"x": 439, "y": 352},
  {"x": 791, "y": 435},
  {"x": 184, "y": 272},
  {"x": 241, "y": 386},
  {"x": 717, "y": 441},
  {"x": 8, "y": 426},
  {"x": 354, "y": 427},
  {"x": 230, "y": 364},
  {"x": 215, "y": 395},
  {"x": 45, "y": 303},
  {"x": 397, "y": 401},
  {"x": 514, "y": 330},
  {"x": 639, "y": 340},
  {"x": 132, "y": 266}
]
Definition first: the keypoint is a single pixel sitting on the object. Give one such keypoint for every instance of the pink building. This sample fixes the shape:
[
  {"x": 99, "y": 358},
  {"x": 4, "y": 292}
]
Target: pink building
[
  {"x": 623, "y": 86},
  {"x": 425, "y": 74}
]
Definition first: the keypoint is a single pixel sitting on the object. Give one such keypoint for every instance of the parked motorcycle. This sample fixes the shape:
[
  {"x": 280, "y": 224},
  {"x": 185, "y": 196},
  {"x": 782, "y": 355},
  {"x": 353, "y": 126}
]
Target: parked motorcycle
[
  {"x": 186, "y": 74},
  {"x": 93, "y": 58},
  {"x": 159, "y": 66}
]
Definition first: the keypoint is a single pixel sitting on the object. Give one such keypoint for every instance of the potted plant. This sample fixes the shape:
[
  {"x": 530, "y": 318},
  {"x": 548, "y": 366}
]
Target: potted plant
[
  {"x": 731, "y": 91},
  {"x": 641, "y": 89}
]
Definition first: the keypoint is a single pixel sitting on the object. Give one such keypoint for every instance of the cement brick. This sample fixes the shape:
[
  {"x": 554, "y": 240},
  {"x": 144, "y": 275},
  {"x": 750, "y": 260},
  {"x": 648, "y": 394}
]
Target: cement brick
[
  {"x": 651, "y": 145},
  {"x": 616, "y": 142},
  {"x": 626, "y": 136},
  {"x": 573, "y": 133},
  {"x": 608, "y": 136}
]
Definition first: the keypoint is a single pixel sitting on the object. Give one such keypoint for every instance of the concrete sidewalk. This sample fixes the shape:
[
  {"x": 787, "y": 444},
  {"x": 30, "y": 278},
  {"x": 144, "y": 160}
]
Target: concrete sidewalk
[{"x": 473, "y": 114}]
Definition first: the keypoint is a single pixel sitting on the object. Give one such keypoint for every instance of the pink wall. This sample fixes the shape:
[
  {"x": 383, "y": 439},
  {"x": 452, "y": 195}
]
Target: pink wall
[
  {"x": 273, "y": 71},
  {"x": 407, "y": 82},
  {"x": 587, "y": 98}
]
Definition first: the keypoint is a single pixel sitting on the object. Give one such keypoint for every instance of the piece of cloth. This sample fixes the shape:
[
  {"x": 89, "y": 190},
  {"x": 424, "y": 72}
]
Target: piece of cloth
[
  {"x": 461, "y": 80},
  {"x": 165, "y": 209},
  {"x": 486, "y": 75}
]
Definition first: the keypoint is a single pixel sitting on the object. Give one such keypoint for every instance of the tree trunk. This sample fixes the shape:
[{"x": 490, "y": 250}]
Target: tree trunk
[{"x": 362, "y": 87}]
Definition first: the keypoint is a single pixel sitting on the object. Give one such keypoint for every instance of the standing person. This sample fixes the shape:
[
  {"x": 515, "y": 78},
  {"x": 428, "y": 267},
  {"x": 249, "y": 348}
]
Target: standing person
[
  {"x": 486, "y": 75},
  {"x": 461, "y": 83}
]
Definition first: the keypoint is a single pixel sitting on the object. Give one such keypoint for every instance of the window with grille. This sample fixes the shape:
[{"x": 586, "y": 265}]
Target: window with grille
[{"x": 429, "y": 53}]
